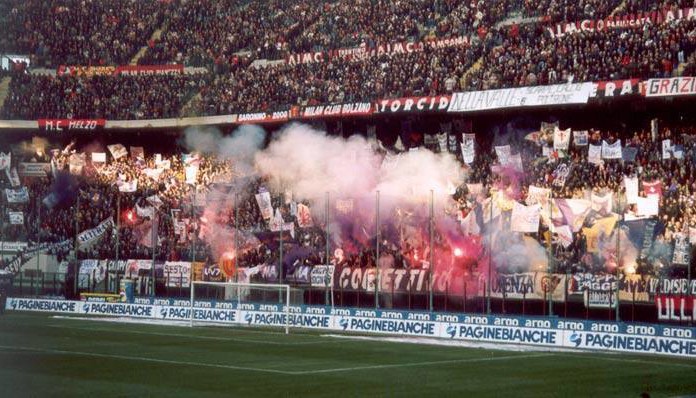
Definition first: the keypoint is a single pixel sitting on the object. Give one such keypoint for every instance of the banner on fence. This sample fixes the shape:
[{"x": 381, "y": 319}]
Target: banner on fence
[
  {"x": 671, "y": 86},
  {"x": 559, "y": 94}
]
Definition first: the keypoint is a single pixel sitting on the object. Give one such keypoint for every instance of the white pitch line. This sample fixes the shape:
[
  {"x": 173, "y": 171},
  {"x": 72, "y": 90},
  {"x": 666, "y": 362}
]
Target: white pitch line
[
  {"x": 411, "y": 364},
  {"x": 194, "y": 336},
  {"x": 262, "y": 370},
  {"x": 143, "y": 359}
]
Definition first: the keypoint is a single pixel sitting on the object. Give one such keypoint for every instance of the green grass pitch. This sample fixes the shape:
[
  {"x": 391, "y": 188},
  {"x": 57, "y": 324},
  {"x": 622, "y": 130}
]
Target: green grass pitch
[{"x": 43, "y": 356}]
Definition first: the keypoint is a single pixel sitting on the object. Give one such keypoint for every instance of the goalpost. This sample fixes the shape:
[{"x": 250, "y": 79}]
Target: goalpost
[{"x": 241, "y": 293}]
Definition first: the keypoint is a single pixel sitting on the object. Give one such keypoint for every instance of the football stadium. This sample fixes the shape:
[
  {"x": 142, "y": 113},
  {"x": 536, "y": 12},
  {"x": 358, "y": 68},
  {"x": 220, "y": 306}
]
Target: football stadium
[{"x": 423, "y": 198}]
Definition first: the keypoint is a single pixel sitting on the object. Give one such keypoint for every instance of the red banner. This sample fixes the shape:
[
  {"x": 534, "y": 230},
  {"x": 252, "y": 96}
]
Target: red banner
[
  {"x": 414, "y": 104},
  {"x": 261, "y": 117},
  {"x": 134, "y": 70},
  {"x": 616, "y": 88},
  {"x": 70, "y": 124},
  {"x": 681, "y": 308},
  {"x": 356, "y": 108},
  {"x": 88, "y": 71}
]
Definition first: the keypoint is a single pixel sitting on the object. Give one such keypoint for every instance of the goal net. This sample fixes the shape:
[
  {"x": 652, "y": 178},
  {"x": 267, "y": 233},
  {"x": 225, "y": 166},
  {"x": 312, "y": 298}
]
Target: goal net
[{"x": 248, "y": 299}]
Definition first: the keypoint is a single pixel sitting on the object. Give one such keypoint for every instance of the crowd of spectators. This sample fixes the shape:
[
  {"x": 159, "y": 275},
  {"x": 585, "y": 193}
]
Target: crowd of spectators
[
  {"x": 428, "y": 72},
  {"x": 227, "y": 37},
  {"x": 214, "y": 32},
  {"x": 369, "y": 23},
  {"x": 101, "y": 192},
  {"x": 527, "y": 56},
  {"x": 108, "y": 97},
  {"x": 78, "y": 32},
  {"x": 569, "y": 10}
]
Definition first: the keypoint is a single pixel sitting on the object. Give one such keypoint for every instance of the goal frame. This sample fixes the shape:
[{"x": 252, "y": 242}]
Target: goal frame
[{"x": 239, "y": 285}]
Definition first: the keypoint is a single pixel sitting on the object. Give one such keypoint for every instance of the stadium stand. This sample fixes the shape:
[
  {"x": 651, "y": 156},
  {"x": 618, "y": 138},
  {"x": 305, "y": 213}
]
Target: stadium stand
[{"x": 238, "y": 56}]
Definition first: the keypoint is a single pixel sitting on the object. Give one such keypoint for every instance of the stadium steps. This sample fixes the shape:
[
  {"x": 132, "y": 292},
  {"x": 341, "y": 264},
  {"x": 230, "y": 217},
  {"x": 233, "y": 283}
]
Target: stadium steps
[
  {"x": 155, "y": 36},
  {"x": 4, "y": 89},
  {"x": 191, "y": 107}
]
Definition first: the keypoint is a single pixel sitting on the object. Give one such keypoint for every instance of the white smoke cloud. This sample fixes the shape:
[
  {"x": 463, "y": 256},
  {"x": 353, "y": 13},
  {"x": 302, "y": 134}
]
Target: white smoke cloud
[
  {"x": 311, "y": 163},
  {"x": 239, "y": 147}
]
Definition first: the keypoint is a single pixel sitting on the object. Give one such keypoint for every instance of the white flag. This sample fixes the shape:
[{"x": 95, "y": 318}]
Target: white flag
[
  {"x": 538, "y": 195},
  {"x": 191, "y": 174},
  {"x": 98, "y": 157},
  {"x": 304, "y": 217},
  {"x": 503, "y": 153},
  {"x": 580, "y": 138},
  {"x": 442, "y": 142},
  {"x": 77, "y": 162},
  {"x": 468, "y": 149},
  {"x": 154, "y": 200},
  {"x": 631, "y": 185},
  {"x": 561, "y": 138},
  {"x": 525, "y": 218},
  {"x": 5, "y": 160},
  {"x": 602, "y": 203},
  {"x": 117, "y": 150},
  {"x": 13, "y": 177},
  {"x": 130, "y": 186},
  {"x": 649, "y": 206},
  {"x": 516, "y": 162},
  {"x": 153, "y": 173},
  {"x": 611, "y": 151},
  {"x": 594, "y": 154},
  {"x": 264, "y": 201},
  {"x": 147, "y": 211},
  {"x": 277, "y": 222},
  {"x": 564, "y": 234},
  {"x": 666, "y": 149}
]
